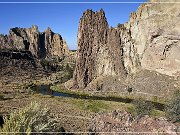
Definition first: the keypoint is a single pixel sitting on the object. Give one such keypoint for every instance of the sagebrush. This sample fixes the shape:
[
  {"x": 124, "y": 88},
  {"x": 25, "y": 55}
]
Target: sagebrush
[{"x": 32, "y": 118}]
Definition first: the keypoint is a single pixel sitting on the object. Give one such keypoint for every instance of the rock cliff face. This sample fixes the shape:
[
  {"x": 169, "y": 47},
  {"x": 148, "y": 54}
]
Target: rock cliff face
[
  {"x": 41, "y": 45},
  {"x": 95, "y": 55},
  {"x": 92, "y": 35},
  {"x": 155, "y": 29},
  {"x": 150, "y": 40}
]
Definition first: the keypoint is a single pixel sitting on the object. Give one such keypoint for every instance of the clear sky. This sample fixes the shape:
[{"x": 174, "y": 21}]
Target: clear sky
[{"x": 61, "y": 18}]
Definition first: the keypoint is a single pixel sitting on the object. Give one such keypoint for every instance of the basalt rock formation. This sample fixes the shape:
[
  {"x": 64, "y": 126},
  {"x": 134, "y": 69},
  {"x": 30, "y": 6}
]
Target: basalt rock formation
[
  {"x": 150, "y": 40},
  {"x": 41, "y": 45}
]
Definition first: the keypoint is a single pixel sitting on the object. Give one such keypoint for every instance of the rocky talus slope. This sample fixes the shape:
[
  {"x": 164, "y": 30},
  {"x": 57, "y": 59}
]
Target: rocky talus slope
[
  {"x": 149, "y": 42},
  {"x": 122, "y": 122}
]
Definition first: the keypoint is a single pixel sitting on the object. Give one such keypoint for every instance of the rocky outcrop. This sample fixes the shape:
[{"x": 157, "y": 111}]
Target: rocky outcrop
[
  {"x": 155, "y": 31},
  {"x": 41, "y": 45},
  {"x": 65, "y": 48},
  {"x": 124, "y": 123},
  {"x": 92, "y": 35},
  {"x": 150, "y": 41},
  {"x": 96, "y": 53},
  {"x": 122, "y": 50},
  {"x": 54, "y": 44}
]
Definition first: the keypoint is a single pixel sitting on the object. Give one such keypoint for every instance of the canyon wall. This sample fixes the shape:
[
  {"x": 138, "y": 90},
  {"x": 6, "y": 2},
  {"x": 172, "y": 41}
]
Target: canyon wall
[
  {"x": 150, "y": 40},
  {"x": 155, "y": 28}
]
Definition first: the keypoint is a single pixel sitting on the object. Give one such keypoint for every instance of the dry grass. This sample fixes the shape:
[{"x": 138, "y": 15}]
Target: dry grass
[{"x": 32, "y": 118}]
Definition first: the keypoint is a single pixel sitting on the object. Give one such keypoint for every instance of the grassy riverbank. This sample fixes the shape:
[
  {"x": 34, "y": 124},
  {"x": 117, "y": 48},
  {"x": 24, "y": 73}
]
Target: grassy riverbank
[
  {"x": 154, "y": 99},
  {"x": 97, "y": 105}
]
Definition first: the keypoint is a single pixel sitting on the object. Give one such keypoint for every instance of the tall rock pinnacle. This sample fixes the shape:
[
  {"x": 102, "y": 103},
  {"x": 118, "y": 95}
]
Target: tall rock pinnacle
[
  {"x": 92, "y": 35},
  {"x": 95, "y": 53}
]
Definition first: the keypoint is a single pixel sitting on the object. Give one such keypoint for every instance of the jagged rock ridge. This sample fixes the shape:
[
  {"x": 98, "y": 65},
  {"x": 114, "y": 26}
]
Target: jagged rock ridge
[
  {"x": 41, "y": 45},
  {"x": 150, "y": 40}
]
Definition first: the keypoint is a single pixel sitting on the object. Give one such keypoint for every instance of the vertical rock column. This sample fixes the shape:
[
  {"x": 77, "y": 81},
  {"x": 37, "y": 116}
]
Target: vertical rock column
[{"x": 92, "y": 35}]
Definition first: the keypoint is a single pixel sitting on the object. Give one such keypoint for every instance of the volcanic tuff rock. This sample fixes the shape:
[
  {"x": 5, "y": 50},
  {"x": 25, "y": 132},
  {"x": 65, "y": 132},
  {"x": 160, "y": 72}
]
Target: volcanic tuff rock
[
  {"x": 41, "y": 45},
  {"x": 95, "y": 56},
  {"x": 150, "y": 40},
  {"x": 92, "y": 35},
  {"x": 155, "y": 29}
]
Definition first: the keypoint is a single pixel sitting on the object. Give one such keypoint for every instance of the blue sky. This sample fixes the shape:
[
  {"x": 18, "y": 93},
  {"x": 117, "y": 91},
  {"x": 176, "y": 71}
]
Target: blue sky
[{"x": 61, "y": 18}]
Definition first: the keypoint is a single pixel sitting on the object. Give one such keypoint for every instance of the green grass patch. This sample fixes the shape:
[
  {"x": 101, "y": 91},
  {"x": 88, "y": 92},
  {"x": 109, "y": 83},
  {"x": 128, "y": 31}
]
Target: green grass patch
[
  {"x": 154, "y": 99},
  {"x": 121, "y": 98},
  {"x": 92, "y": 105},
  {"x": 156, "y": 113},
  {"x": 157, "y": 99},
  {"x": 131, "y": 109},
  {"x": 58, "y": 88}
]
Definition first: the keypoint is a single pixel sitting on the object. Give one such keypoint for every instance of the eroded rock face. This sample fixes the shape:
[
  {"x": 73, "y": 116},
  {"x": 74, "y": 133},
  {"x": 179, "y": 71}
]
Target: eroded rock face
[
  {"x": 99, "y": 53},
  {"x": 41, "y": 45},
  {"x": 65, "y": 48},
  {"x": 92, "y": 35},
  {"x": 54, "y": 44},
  {"x": 150, "y": 41},
  {"x": 155, "y": 29},
  {"x": 121, "y": 48}
]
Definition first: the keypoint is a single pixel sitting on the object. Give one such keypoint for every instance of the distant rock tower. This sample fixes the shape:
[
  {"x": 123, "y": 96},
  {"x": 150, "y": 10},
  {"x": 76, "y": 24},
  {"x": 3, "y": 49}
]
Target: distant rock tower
[{"x": 41, "y": 45}]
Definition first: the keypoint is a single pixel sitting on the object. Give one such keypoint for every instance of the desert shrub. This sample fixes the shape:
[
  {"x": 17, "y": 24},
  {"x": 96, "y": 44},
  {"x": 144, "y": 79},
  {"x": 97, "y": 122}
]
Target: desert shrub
[
  {"x": 32, "y": 118},
  {"x": 1, "y": 96},
  {"x": 172, "y": 108},
  {"x": 49, "y": 64},
  {"x": 142, "y": 107},
  {"x": 69, "y": 69},
  {"x": 44, "y": 62},
  {"x": 129, "y": 89},
  {"x": 99, "y": 86}
]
